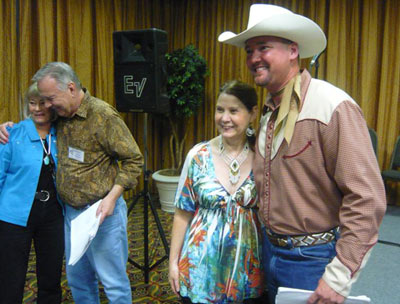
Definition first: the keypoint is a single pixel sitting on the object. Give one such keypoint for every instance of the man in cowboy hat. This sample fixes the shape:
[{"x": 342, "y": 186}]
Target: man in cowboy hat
[{"x": 321, "y": 193}]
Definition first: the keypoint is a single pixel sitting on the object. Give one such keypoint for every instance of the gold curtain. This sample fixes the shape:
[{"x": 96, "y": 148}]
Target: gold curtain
[
  {"x": 9, "y": 82},
  {"x": 362, "y": 56}
]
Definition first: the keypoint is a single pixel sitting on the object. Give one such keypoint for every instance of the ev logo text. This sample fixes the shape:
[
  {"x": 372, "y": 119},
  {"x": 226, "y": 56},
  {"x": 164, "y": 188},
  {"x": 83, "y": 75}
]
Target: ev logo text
[{"x": 133, "y": 87}]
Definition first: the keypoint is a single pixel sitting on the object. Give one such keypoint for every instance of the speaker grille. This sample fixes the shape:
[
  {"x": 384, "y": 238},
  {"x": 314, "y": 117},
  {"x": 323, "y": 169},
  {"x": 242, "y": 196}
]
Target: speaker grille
[{"x": 139, "y": 70}]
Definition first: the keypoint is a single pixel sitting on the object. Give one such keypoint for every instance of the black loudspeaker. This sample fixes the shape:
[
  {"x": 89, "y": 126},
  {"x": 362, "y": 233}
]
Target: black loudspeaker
[{"x": 140, "y": 76}]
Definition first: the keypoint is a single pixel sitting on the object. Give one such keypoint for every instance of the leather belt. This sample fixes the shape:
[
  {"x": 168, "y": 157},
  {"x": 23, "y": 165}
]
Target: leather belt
[
  {"x": 42, "y": 195},
  {"x": 301, "y": 240},
  {"x": 81, "y": 207}
]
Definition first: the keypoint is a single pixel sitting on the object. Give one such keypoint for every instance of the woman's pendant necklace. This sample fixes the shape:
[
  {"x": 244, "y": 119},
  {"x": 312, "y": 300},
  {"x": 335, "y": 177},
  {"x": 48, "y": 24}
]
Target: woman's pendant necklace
[
  {"x": 46, "y": 159},
  {"x": 234, "y": 172},
  {"x": 233, "y": 163}
]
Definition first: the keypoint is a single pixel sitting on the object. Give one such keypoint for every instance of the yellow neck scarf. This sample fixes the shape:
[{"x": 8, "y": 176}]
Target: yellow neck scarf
[{"x": 289, "y": 108}]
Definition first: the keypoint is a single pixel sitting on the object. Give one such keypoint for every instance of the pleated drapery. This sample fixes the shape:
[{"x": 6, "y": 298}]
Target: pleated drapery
[{"x": 362, "y": 55}]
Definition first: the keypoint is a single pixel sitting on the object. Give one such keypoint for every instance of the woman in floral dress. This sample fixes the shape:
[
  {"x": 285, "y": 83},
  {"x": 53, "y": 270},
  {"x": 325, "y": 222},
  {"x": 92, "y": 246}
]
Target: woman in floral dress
[{"x": 215, "y": 252}]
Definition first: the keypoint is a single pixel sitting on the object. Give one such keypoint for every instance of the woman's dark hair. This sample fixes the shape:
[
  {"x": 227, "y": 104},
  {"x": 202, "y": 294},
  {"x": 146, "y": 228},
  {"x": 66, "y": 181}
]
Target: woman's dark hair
[{"x": 246, "y": 94}]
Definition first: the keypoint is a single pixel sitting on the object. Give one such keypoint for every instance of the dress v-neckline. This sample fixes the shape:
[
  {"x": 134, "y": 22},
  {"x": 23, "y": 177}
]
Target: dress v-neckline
[{"x": 219, "y": 181}]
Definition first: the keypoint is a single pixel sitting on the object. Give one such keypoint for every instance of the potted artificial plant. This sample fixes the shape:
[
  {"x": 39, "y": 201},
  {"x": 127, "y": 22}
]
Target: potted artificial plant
[{"x": 186, "y": 71}]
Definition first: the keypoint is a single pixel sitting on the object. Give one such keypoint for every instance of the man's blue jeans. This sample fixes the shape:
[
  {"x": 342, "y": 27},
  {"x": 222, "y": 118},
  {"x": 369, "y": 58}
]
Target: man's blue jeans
[
  {"x": 295, "y": 267},
  {"x": 105, "y": 260}
]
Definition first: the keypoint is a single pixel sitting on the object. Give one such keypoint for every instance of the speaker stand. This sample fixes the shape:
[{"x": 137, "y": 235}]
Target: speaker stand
[{"x": 147, "y": 201}]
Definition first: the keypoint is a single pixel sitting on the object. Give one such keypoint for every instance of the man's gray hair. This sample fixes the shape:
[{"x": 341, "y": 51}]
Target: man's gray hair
[{"x": 59, "y": 71}]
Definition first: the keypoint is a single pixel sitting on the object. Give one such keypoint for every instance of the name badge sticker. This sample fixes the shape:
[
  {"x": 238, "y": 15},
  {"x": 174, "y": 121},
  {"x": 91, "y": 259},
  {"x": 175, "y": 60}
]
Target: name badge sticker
[{"x": 76, "y": 154}]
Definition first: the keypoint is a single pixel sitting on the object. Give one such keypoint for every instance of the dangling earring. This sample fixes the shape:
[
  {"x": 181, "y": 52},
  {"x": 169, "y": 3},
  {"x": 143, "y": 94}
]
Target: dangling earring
[{"x": 250, "y": 131}]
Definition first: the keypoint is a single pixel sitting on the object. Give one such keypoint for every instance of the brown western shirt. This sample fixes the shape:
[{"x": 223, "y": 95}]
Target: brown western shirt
[
  {"x": 95, "y": 151},
  {"x": 327, "y": 176}
]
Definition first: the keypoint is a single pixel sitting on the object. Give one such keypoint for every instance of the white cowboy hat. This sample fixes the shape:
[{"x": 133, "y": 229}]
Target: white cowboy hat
[{"x": 272, "y": 20}]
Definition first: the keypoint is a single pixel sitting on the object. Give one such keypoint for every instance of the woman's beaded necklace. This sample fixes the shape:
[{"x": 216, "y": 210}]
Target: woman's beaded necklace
[
  {"x": 46, "y": 159},
  {"x": 233, "y": 163}
]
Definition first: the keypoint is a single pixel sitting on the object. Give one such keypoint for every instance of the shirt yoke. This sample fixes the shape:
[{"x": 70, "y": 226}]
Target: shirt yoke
[{"x": 321, "y": 101}]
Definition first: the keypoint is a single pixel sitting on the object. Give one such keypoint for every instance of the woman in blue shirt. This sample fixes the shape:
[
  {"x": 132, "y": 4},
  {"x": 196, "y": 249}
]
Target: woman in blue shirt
[{"x": 29, "y": 209}]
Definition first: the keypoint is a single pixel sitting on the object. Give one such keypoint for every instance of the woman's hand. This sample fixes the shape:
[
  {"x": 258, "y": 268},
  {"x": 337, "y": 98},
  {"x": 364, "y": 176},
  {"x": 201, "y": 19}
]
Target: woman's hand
[
  {"x": 181, "y": 222},
  {"x": 173, "y": 277}
]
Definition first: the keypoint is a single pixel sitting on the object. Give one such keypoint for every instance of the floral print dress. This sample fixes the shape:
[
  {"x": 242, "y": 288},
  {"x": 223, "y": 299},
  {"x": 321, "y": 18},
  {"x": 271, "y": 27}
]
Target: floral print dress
[{"x": 220, "y": 261}]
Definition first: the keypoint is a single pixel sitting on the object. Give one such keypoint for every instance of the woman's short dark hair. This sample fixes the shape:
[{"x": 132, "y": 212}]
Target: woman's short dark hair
[
  {"x": 247, "y": 96},
  {"x": 242, "y": 91}
]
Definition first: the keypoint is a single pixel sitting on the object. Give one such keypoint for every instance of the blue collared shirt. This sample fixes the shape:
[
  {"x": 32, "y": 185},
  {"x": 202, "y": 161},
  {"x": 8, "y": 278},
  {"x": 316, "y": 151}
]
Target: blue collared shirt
[{"x": 20, "y": 165}]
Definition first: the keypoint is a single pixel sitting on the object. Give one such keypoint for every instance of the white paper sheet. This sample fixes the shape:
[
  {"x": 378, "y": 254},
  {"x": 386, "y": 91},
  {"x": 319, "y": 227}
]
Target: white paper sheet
[
  {"x": 300, "y": 296},
  {"x": 83, "y": 230}
]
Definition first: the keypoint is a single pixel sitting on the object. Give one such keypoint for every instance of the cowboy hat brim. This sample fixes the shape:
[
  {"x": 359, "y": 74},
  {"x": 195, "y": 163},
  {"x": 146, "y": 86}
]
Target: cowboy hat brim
[{"x": 305, "y": 32}]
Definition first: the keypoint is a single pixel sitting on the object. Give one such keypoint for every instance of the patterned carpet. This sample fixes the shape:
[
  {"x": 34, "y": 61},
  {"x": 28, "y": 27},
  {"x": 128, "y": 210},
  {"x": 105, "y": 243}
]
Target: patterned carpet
[{"x": 158, "y": 289}]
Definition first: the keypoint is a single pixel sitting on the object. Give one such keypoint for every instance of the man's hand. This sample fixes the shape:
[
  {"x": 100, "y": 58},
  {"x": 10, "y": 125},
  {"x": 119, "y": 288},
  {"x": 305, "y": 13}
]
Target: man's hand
[
  {"x": 325, "y": 295},
  {"x": 106, "y": 208},
  {"x": 4, "y": 133},
  {"x": 107, "y": 205}
]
